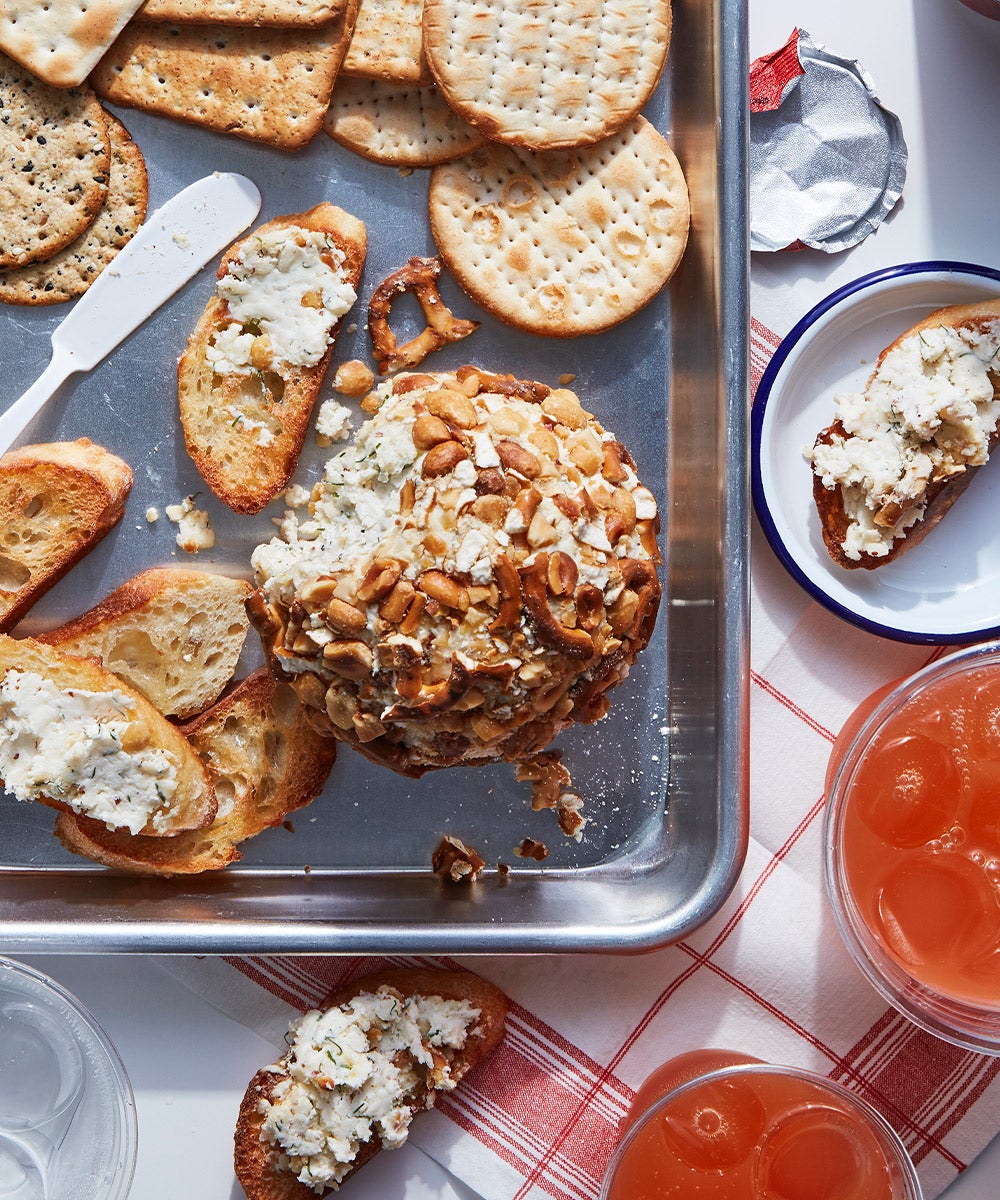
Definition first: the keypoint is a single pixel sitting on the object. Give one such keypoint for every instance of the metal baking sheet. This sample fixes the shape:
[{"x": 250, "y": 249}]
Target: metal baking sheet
[{"x": 663, "y": 777}]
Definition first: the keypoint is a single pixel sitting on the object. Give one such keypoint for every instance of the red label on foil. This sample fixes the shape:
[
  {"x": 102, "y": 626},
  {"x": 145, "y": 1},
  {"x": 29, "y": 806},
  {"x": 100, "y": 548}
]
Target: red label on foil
[{"x": 772, "y": 73}]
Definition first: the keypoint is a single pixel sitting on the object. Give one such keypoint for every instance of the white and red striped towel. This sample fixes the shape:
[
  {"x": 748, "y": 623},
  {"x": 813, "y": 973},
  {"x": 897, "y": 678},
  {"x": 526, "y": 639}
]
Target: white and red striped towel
[{"x": 767, "y": 975}]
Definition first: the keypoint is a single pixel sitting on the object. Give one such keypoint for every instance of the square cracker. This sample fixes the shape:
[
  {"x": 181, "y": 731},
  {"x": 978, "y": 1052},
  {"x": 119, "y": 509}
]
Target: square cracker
[
  {"x": 280, "y": 13},
  {"x": 387, "y": 42},
  {"x": 61, "y": 41},
  {"x": 397, "y": 124},
  {"x": 265, "y": 85}
]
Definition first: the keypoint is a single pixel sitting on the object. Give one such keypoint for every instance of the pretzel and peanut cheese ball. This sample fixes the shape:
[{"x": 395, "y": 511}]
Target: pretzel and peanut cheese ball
[{"x": 477, "y": 569}]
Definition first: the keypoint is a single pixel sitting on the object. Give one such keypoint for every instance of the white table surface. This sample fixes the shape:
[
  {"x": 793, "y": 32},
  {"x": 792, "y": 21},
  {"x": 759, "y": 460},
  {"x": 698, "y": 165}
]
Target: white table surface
[
  {"x": 189, "y": 1065},
  {"x": 937, "y": 66}
]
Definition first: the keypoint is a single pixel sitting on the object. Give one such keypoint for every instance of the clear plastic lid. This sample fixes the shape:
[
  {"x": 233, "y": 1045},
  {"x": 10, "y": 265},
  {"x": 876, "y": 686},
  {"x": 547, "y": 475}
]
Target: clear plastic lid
[{"x": 67, "y": 1114}]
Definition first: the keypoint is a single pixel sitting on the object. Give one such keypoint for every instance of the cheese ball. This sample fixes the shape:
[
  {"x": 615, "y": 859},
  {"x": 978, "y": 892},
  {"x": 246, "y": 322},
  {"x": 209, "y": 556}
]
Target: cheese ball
[{"x": 477, "y": 570}]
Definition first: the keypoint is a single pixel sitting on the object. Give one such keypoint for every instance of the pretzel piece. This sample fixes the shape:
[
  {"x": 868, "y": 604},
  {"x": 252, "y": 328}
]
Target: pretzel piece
[
  {"x": 576, "y": 643},
  {"x": 419, "y": 276}
]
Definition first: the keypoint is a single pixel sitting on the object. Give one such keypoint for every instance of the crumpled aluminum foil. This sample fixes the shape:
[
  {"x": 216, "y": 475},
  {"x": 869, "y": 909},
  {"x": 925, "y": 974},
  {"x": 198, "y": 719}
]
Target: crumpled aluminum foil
[{"x": 827, "y": 159}]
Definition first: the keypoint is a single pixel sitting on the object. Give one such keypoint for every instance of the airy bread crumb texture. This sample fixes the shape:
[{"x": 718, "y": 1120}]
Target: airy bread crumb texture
[
  {"x": 57, "y": 500},
  {"x": 174, "y": 635}
]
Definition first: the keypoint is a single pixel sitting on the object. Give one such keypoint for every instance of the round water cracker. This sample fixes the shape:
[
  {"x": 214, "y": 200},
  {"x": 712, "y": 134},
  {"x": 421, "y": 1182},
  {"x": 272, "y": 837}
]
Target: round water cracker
[
  {"x": 54, "y": 162},
  {"x": 69, "y": 273},
  {"x": 564, "y": 243},
  {"x": 397, "y": 125},
  {"x": 550, "y": 76}
]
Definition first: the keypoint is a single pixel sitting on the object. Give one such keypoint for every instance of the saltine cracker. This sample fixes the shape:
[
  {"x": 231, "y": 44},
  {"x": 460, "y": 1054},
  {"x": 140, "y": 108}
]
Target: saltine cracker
[
  {"x": 61, "y": 41},
  {"x": 284, "y": 14},
  {"x": 387, "y": 42},
  {"x": 265, "y": 85}
]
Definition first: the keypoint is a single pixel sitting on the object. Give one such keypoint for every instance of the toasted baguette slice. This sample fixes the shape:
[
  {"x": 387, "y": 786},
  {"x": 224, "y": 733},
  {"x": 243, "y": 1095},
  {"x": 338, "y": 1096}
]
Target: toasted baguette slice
[
  {"x": 907, "y": 523},
  {"x": 57, "y": 500},
  {"x": 245, "y": 429},
  {"x": 173, "y": 634},
  {"x": 183, "y": 798},
  {"x": 265, "y": 760},
  {"x": 257, "y": 1168},
  {"x": 940, "y": 496}
]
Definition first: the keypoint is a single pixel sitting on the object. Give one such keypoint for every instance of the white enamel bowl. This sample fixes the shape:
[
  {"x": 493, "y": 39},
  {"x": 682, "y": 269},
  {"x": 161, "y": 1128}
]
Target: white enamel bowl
[{"x": 947, "y": 588}]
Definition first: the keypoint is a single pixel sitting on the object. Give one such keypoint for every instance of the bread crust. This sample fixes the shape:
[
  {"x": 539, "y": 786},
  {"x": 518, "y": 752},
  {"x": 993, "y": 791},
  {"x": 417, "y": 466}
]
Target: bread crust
[
  {"x": 239, "y": 470},
  {"x": 195, "y": 800},
  {"x": 57, "y": 501},
  {"x": 260, "y": 1178},
  {"x": 940, "y": 495},
  {"x": 177, "y": 669},
  {"x": 265, "y": 760}
]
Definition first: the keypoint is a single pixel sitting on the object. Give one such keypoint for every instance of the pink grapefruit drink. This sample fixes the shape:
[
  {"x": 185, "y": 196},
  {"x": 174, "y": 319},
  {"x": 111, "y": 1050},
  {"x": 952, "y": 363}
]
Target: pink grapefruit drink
[
  {"x": 913, "y": 846},
  {"x": 730, "y": 1127}
]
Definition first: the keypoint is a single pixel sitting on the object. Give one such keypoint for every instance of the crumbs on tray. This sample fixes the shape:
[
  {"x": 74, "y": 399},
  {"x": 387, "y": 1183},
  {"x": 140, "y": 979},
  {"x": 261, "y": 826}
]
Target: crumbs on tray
[{"x": 194, "y": 531}]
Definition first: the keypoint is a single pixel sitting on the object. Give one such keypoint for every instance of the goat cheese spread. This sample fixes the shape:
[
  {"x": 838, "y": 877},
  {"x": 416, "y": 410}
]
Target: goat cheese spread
[
  {"x": 357, "y": 1072},
  {"x": 927, "y": 414},
  {"x": 263, "y": 435},
  {"x": 69, "y": 745},
  {"x": 285, "y": 290},
  {"x": 333, "y": 422}
]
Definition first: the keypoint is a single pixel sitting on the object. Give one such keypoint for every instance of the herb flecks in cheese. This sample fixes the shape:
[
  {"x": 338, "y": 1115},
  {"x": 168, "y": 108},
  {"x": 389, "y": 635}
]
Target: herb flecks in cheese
[
  {"x": 263, "y": 433},
  {"x": 284, "y": 290},
  {"x": 360, "y": 1072},
  {"x": 928, "y": 414},
  {"x": 73, "y": 746}
]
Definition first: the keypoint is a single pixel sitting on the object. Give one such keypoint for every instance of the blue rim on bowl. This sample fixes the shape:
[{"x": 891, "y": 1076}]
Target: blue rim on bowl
[{"x": 851, "y": 604}]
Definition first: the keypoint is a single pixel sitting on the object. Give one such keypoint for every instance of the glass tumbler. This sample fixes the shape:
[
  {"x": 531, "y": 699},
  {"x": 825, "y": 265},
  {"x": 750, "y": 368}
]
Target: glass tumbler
[
  {"x": 67, "y": 1114},
  {"x": 912, "y": 845},
  {"x": 752, "y": 1131}
]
